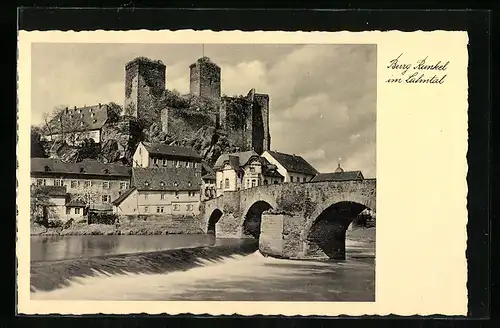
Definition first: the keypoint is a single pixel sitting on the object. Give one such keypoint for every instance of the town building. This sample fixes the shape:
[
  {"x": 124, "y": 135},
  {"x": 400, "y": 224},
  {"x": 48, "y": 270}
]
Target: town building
[
  {"x": 338, "y": 175},
  {"x": 79, "y": 123},
  {"x": 208, "y": 182},
  {"x": 161, "y": 190},
  {"x": 244, "y": 170},
  {"x": 156, "y": 155},
  {"x": 293, "y": 168},
  {"x": 90, "y": 181},
  {"x": 53, "y": 204}
]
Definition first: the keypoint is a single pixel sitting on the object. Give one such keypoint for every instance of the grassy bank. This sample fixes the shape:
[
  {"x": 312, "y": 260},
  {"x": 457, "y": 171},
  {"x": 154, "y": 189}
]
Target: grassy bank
[{"x": 138, "y": 228}]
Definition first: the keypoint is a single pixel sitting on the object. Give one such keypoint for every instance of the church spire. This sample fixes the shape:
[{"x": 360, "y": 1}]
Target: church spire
[{"x": 339, "y": 168}]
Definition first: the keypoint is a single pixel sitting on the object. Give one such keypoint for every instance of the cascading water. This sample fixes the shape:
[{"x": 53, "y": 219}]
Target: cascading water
[{"x": 234, "y": 272}]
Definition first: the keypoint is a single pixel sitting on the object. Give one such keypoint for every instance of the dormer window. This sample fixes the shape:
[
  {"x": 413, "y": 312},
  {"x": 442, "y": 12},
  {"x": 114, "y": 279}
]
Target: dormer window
[
  {"x": 175, "y": 184},
  {"x": 106, "y": 170},
  {"x": 146, "y": 183},
  {"x": 92, "y": 114},
  {"x": 95, "y": 121},
  {"x": 81, "y": 123},
  {"x": 189, "y": 183},
  {"x": 162, "y": 184},
  {"x": 81, "y": 115},
  {"x": 59, "y": 119},
  {"x": 47, "y": 168}
]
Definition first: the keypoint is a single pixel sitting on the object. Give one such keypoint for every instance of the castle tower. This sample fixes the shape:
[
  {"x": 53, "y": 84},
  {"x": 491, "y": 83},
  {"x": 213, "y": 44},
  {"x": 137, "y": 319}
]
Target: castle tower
[
  {"x": 145, "y": 83},
  {"x": 261, "y": 114},
  {"x": 205, "y": 79}
]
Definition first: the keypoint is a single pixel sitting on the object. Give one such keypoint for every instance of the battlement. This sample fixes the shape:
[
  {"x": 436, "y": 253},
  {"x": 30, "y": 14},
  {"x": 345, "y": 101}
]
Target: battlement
[{"x": 144, "y": 61}]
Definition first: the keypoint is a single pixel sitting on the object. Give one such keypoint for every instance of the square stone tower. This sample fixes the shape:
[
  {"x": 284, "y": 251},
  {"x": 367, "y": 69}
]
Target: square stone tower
[
  {"x": 205, "y": 78},
  {"x": 145, "y": 83}
]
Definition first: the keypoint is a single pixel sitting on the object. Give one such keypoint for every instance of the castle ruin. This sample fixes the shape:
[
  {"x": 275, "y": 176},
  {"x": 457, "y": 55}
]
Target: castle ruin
[{"x": 244, "y": 119}]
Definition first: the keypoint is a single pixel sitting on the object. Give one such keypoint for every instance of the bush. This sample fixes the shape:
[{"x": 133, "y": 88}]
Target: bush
[
  {"x": 83, "y": 221},
  {"x": 68, "y": 224},
  {"x": 102, "y": 218},
  {"x": 56, "y": 223}
]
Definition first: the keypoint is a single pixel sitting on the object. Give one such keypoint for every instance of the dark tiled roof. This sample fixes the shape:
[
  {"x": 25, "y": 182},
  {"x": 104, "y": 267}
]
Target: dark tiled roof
[
  {"x": 76, "y": 203},
  {"x": 171, "y": 179},
  {"x": 122, "y": 197},
  {"x": 294, "y": 163},
  {"x": 93, "y": 118},
  {"x": 89, "y": 167},
  {"x": 101, "y": 207},
  {"x": 338, "y": 176},
  {"x": 236, "y": 160},
  {"x": 177, "y": 151},
  {"x": 269, "y": 170},
  {"x": 53, "y": 190}
]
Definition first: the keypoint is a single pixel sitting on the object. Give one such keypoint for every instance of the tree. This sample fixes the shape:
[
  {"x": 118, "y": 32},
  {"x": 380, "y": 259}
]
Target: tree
[
  {"x": 37, "y": 149},
  {"x": 40, "y": 206},
  {"x": 115, "y": 112},
  {"x": 88, "y": 194}
]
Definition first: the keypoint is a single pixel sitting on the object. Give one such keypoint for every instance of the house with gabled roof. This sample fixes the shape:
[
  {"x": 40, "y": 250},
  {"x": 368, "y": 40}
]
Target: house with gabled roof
[
  {"x": 235, "y": 171},
  {"x": 294, "y": 168},
  {"x": 339, "y": 175},
  {"x": 148, "y": 154},
  {"x": 79, "y": 123},
  {"x": 158, "y": 190}
]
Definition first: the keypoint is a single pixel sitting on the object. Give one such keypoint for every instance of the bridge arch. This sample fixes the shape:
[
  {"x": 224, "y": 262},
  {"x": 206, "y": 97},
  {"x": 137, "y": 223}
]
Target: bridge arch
[
  {"x": 212, "y": 221},
  {"x": 325, "y": 229},
  {"x": 253, "y": 217}
]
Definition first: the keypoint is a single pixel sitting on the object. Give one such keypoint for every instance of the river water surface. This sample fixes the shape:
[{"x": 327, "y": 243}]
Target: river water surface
[{"x": 161, "y": 274}]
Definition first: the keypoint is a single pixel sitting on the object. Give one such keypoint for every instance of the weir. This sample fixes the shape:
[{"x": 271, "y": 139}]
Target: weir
[{"x": 50, "y": 275}]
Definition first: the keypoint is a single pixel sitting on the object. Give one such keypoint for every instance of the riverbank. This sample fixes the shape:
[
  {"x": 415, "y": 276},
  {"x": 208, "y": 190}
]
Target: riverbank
[
  {"x": 157, "y": 228},
  {"x": 139, "y": 228}
]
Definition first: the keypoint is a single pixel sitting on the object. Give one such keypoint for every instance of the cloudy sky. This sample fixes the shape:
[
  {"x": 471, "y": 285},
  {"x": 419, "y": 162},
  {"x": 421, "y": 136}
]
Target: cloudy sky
[{"x": 322, "y": 97}]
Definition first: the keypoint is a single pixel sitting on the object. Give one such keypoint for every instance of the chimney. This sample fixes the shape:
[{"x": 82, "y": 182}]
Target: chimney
[
  {"x": 99, "y": 105},
  {"x": 75, "y": 107}
]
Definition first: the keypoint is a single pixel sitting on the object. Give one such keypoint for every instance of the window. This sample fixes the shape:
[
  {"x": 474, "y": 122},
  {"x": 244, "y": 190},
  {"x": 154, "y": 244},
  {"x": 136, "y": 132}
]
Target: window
[
  {"x": 140, "y": 151},
  {"x": 58, "y": 182},
  {"x": 189, "y": 183},
  {"x": 265, "y": 181},
  {"x": 291, "y": 179},
  {"x": 162, "y": 196},
  {"x": 146, "y": 209},
  {"x": 187, "y": 164},
  {"x": 159, "y": 209},
  {"x": 191, "y": 193},
  {"x": 176, "y": 207},
  {"x": 73, "y": 184},
  {"x": 189, "y": 207},
  {"x": 77, "y": 210},
  {"x": 68, "y": 210},
  {"x": 105, "y": 185},
  {"x": 105, "y": 198},
  {"x": 145, "y": 196},
  {"x": 164, "y": 162},
  {"x": 40, "y": 182},
  {"x": 175, "y": 184},
  {"x": 252, "y": 169},
  {"x": 176, "y": 163},
  {"x": 123, "y": 185},
  {"x": 155, "y": 160},
  {"x": 146, "y": 183},
  {"x": 176, "y": 193},
  {"x": 253, "y": 183},
  {"x": 82, "y": 170},
  {"x": 226, "y": 183},
  {"x": 220, "y": 184},
  {"x": 87, "y": 183},
  {"x": 162, "y": 184},
  {"x": 195, "y": 165},
  {"x": 275, "y": 181},
  {"x": 304, "y": 179}
]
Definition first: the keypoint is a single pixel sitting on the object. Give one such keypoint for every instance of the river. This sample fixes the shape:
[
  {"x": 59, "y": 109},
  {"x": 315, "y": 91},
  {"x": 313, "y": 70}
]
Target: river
[{"x": 191, "y": 267}]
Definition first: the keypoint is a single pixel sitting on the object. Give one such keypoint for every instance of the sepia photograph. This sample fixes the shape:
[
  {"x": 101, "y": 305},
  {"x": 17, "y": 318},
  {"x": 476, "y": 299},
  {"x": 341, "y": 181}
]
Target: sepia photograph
[{"x": 203, "y": 172}]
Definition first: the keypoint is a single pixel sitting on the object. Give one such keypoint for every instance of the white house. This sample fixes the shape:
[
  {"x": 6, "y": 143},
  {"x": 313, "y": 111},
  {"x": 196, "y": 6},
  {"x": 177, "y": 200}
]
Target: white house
[
  {"x": 157, "y": 155},
  {"x": 161, "y": 191},
  {"x": 244, "y": 170},
  {"x": 294, "y": 168}
]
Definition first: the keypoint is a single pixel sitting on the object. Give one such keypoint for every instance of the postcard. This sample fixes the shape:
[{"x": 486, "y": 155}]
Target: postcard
[{"x": 275, "y": 173}]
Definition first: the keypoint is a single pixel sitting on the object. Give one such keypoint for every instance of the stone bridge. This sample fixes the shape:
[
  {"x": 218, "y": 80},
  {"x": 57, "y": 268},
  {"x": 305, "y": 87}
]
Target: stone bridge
[{"x": 291, "y": 220}]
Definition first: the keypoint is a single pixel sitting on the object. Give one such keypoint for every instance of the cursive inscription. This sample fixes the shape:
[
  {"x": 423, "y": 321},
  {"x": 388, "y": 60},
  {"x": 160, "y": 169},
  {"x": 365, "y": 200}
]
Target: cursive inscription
[{"x": 421, "y": 71}]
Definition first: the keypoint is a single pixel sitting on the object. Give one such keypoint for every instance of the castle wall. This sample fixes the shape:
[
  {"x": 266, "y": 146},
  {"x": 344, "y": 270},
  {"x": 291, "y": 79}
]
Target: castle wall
[
  {"x": 261, "y": 101},
  {"x": 183, "y": 123}
]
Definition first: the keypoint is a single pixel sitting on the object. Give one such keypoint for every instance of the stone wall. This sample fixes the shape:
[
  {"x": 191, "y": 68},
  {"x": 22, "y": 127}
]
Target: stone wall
[
  {"x": 171, "y": 224},
  {"x": 271, "y": 235}
]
